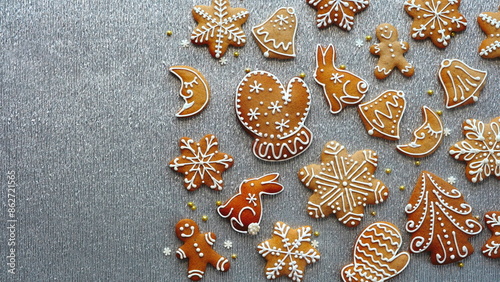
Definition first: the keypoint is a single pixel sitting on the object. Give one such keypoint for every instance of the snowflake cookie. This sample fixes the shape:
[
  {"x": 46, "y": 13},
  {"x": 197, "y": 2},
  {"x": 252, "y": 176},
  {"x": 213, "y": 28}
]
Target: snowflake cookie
[
  {"x": 436, "y": 19},
  {"x": 492, "y": 247},
  {"x": 489, "y": 22},
  {"x": 198, "y": 249},
  {"x": 376, "y": 256},
  {"x": 201, "y": 163},
  {"x": 274, "y": 115},
  {"x": 338, "y": 12},
  {"x": 194, "y": 90},
  {"x": 343, "y": 184},
  {"x": 440, "y": 220},
  {"x": 245, "y": 208},
  {"x": 219, "y": 26},
  {"x": 340, "y": 87},
  {"x": 480, "y": 149},
  {"x": 288, "y": 252}
]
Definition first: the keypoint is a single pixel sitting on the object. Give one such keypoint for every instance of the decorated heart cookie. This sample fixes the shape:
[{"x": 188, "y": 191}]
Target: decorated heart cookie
[
  {"x": 435, "y": 19},
  {"x": 245, "y": 207},
  {"x": 273, "y": 115},
  {"x": 201, "y": 163},
  {"x": 194, "y": 90},
  {"x": 288, "y": 252},
  {"x": 489, "y": 22},
  {"x": 343, "y": 184},
  {"x": 276, "y": 36},
  {"x": 462, "y": 84},
  {"x": 492, "y": 247},
  {"x": 382, "y": 115},
  {"x": 198, "y": 249},
  {"x": 339, "y": 12},
  {"x": 376, "y": 256},
  {"x": 440, "y": 220},
  {"x": 219, "y": 26},
  {"x": 427, "y": 138},
  {"x": 340, "y": 87},
  {"x": 480, "y": 149}
]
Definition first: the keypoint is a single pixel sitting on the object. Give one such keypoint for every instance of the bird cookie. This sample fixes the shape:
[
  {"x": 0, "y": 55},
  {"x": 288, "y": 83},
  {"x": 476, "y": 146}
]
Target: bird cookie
[
  {"x": 194, "y": 90},
  {"x": 489, "y": 22},
  {"x": 198, "y": 249},
  {"x": 390, "y": 50},
  {"x": 491, "y": 248}
]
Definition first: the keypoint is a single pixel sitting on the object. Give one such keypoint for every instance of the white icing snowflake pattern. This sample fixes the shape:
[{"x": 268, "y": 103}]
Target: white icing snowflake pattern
[
  {"x": 282, "y": 125},
  {"x": 452, "y": 180},
  {"x": 185, "y": 43},
  {"x": 359, "y": 43},
  {"x": 338, "y": 12},
  {"x": 275, "y": 107},
  {"x": 228, "y": 244},
  {"x": 256, "y": 87},
  {"x": 223, "y": 61},
  {"x": 167, "y": 251},
  {"x": 252, "y": 199},
  {"x": 336, "y": 77},
  {"x": 446, "y": 132},
  {"x": 253, "y": 114},
  {"x": 314, "y": 243}
]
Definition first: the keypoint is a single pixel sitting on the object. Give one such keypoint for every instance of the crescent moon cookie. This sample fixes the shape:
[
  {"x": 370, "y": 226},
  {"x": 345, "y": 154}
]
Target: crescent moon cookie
[
  {"x": 489, "y": 22},
  {"x": 435, "y": 19},
  {"x": 340, "y": 87},
  {"x": 382, "y": 115},
  {"x": 219, "y": 26},
  {"x": 339, "y": 12},
  {"x": 491, "y": 248},
  {"x": 198, "y": 249},
  {"x": 376, "y": 256},
  {"x": 274, "y": 115},
  {"x": 194, "y": 90},
  {"x": 245, "y": 207},
  {"x": 440, "y": 220},
  {"x": 288, "y": 252},
  {"x": 343, "y": 184},
  {"x": 462, "y": 84},
  {"x": 390, "y": 51},
  {"x": 480, "y": 149},
  {"x": 428, "y": 136},
  {"x": 276, "y": 36},
  {"x": 201, "y": 163}
]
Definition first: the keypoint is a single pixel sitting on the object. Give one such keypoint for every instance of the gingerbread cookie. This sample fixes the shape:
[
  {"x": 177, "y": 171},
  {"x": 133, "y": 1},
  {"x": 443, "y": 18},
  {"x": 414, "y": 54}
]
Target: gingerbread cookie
[
  {"x": 489, "y": 22},
  {"x": 340, "y": 87},
  {"x": 480, "y": 149},
  {"x": 219, "y": 26},
  {"x": 390, "y": 50},
  {"x": 245, "y": 207},
  {"x": 382, "y": 115},
  {"x": 376, "y": 256},
  {"x": 343, "y": 184},
  {"x": 198, "y": 249},
  {"x": 462, "y": 84},
  {"x": 273, "y": 115},
  {"x": 288, "y": 252},
  {"x": 435, "y": 19},
  {"x": 492, "y": 247},
  {"x": 194, "y": 90},
  {"x": 440, "y": 220},
  {"x": 276, "y": 36},
  {"x": 340, "y": 12},
  {"x": 427, "y": 138},
  {"x": 201, "y": 163}
]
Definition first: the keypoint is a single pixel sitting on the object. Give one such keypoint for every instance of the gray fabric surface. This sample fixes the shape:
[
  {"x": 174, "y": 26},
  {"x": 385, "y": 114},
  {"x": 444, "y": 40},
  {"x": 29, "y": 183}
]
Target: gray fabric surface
[{"x": 87, "y": 123}]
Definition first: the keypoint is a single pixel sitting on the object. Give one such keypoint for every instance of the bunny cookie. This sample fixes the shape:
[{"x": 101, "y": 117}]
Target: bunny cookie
[
  {"x": 341, "y": 87},
  {"x": 245, "y": 208},
  {"x": 198, "y": 250},
  {"x": 391, "y": 52}
]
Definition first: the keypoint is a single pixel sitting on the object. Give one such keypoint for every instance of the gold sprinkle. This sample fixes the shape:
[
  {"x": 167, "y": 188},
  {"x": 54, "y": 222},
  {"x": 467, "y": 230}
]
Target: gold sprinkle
[
  {"x": 453, "y": 33},
  {"x": 402, "y": 187},
  {"x": 193, "y": 207},
  {"x": 368, "y": 38},
  {"x": 374, "y": 213},
  {"x": 316, "y": 233},
  {"x": 234, "y": 256},
  {"x": 430, "y": 92},
  {"x": 439, "y": 112},
  {"x": 236, "y": 54},
  {"x": 417, "y": 163},
  {"x": 190, "y": 204},
  {"x": 477, "y": 217},
  {"x": 460, "y": 264},
  {"x": 218, "y": 203},
  {"x": 247, "y": 70},
  {"x": 204, "y": 218},
  {"x": 302, "y": 74},
  {"x": 388, "y": 170},
  {"x": 342, "y": 67},
  {"x": 169, "y": 32}
]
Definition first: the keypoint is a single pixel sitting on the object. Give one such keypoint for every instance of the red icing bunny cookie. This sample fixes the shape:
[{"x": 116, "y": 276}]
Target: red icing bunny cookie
[
  {"x": 391, "y": 52},
  {"x": 198, "y": 250},
  {"x": 245, "y": 208}
]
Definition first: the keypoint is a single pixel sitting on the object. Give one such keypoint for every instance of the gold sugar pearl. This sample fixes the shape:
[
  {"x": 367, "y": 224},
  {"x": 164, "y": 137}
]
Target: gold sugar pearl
[
  {"x": 402, "y": 187},
  {"x": 302, "y": 75},
  {"x": 477, "y": 217},
  {"x": 204, "y": 218},
  {"x": 247, "y": 70},
  {"x": 316, "y": 233},
  {"x": 460, "y": 264},
  {"x": 236, "y": 54},
  {"x": 190, "y": 204},
  {"x": 417, "y": 163},
  {"x": 234, "y": 256},
  {"x": 453, "y": 33},
  {"x": 193, "y": 208},
  {"x": 430, "y": 92},
  {"x": 368, "y": 38},
  {"x": 388, "y": 170},
  {"x": 218, "y": 203},
  {"x": 342, "y": 67},
  {"x": 439, "y": 112},
  {"x": 374, "y": 213},
  {"x": 169, "y": 33}
]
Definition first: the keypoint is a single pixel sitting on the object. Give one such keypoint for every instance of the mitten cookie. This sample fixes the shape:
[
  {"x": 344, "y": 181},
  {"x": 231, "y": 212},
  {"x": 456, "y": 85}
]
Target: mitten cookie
[
  {"x": 391, "y": 51},
  {"x": 489, "y": 22},
  {"x": 492, "y": 247},
  {"x": 197, "y": 248},
  {"x": 194, "y": 90}
]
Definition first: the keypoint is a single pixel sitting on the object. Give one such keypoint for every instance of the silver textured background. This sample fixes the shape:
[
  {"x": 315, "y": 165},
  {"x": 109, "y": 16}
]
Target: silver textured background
[{"x": 87, "y": 122}]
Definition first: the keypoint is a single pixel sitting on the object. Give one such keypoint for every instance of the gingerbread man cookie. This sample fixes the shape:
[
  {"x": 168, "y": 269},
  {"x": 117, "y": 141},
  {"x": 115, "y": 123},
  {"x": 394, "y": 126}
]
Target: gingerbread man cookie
[
  {"x": 198, "y": 249},
  {"x": 219, "y": 26},
  {"x": 492, "y": 247},
  {"x": 391, "y": 52},
  {"x": 489, "y": 22}
]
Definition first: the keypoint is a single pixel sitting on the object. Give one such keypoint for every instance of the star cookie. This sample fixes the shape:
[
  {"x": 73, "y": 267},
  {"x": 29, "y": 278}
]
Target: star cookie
[
  {"x": 338, "y": 12},
  {"x": 219, "y": 26},
  {"x": 435, "y": 19},
  {"x": 480, "y": 149},
  {"x": 201, "y": 163},
  {"x": 492, "y": 247},
  {"x": 489, "y": 22},
  {"x": 343, "y": 184},
  {"x": 288, "y": 252}
]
